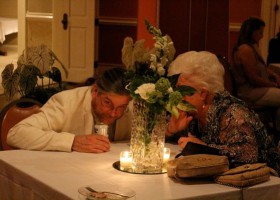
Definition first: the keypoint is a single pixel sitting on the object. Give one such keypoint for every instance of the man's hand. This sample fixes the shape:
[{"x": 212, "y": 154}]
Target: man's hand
[{"x": 93, "y": 143}]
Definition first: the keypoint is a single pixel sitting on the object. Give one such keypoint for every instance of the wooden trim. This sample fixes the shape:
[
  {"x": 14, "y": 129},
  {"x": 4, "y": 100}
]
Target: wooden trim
[
  {"x": 118, "y": 21},
  {"x": 33, "y": 16},
  {"x": 234, "y": 27},
  {"x": 100, "y": 65}
]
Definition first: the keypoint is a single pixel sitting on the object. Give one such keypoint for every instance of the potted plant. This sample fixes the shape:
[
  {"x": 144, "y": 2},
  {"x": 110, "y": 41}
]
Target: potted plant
[{"x": 35, "y": 76}]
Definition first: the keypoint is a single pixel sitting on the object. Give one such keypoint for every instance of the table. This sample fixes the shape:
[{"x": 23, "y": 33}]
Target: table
[{"x": 58, "y": 175}]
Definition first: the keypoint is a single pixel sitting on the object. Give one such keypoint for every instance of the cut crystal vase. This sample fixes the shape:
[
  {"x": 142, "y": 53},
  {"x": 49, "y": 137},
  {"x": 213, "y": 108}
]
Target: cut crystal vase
[{"x": 147, "y": 139}]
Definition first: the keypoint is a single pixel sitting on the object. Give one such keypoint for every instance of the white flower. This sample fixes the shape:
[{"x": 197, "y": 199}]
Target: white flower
[
  {"x": 134, "y": 52},
  {"x": 127, "y": 52},
  {"x": 139, "y": 51},
  {"x": 170, "y": 90},
  {"x": 160, "y": 70},
  {"x": 145, "y": 89},
  {"x": 153, "y": 66},
  {"x": 157, "y": 45},
  {"x": 153, "y": 58},
  {"x": 163, "y": 61}
]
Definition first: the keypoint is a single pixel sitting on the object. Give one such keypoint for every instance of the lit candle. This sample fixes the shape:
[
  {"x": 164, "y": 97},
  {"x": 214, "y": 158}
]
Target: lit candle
[
  {"x": 125, "y": 160},
  {"x": 166, "y": 154}
]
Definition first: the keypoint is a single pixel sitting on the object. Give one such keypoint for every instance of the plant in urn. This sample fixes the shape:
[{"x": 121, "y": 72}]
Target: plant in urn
[{"x": 155, "y": 95}]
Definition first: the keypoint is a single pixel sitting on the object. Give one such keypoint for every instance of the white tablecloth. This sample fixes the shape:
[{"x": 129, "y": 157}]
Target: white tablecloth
[
  {"x": 58, "y": 175},
  {"x": 7, "y": 26}
]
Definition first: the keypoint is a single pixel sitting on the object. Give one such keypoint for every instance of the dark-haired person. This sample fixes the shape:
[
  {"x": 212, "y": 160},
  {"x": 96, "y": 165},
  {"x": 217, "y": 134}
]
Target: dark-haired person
[
  {"x": 256, "y": 83},
  {"x": 66, "y": 122}
]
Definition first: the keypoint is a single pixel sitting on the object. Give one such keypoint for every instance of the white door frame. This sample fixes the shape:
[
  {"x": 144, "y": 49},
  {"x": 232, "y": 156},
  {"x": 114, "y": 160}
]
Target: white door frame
[
  {"x": 21, "y": 25},
  {"x": 268, "y": 15}
]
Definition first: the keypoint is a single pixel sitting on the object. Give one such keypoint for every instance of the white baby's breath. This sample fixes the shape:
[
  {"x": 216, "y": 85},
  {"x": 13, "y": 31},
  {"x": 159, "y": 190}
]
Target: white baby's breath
[
  {"x": 170, "y": 90},
  {"x": 160, "y": 70}
]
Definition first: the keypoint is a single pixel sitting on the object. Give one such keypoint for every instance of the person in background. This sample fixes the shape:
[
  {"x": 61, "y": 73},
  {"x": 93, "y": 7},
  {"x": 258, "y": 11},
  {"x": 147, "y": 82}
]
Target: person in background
[
  {"x": 274, "y": 49},
  {"x": 223, "y": 121},
  {"x": 66, "y": 122},
  {"x": 255, "y": 82}
]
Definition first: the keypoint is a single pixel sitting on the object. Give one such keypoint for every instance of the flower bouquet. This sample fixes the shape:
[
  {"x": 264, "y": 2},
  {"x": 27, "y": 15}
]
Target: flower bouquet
[{"x": 154, "y": 94}]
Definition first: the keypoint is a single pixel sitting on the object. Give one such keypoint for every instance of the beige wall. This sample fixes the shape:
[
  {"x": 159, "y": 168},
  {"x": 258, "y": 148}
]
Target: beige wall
[
  {"x": 38, "y": 28},
  {"x": 44, "y": 6},
  {"x": 8, "y": 8}
]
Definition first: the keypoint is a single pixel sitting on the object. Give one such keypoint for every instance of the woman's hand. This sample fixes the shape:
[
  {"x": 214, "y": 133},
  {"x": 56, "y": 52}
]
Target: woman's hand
[
  {"x": 182, "y": 142},
  {"x": 275, "y": 77},
  {"x": 178, "y": 124},
  {"x": 93, "y": 143}
]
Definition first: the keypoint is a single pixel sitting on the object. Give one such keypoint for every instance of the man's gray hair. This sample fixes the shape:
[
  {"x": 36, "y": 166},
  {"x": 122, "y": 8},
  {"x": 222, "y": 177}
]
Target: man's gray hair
[{"x": 113, "y": 80}]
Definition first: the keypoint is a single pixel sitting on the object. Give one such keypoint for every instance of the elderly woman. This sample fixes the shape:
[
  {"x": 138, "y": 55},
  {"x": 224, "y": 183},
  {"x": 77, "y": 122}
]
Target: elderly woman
[{"x": 223, "y": 121}]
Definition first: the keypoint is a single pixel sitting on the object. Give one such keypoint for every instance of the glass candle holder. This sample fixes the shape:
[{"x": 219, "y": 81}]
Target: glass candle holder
[
  {"x": 166, "y": 154},
  {"x": 101, "y": 129},
  {"x": 125, "y": 160}
]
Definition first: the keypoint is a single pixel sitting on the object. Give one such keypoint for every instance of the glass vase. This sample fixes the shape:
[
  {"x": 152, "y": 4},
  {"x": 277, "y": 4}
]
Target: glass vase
[{"x": 147, "y": 139}]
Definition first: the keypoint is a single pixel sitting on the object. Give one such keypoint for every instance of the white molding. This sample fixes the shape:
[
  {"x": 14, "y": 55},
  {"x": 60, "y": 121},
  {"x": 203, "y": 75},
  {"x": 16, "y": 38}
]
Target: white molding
[
  {"x": 36, "y": 16},
  {"x": 21, "y": 26},
  {"x": 268, "y": 15}
]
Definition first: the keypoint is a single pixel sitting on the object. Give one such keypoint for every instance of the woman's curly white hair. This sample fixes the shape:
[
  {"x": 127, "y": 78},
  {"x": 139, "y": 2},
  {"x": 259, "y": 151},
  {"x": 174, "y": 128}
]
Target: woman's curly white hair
[{"x": 202, "y": 68}]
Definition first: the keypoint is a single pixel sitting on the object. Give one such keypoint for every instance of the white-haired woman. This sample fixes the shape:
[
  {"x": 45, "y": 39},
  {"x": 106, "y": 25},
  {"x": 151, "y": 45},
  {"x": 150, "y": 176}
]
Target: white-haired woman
[{"x": 222, "y": 121}]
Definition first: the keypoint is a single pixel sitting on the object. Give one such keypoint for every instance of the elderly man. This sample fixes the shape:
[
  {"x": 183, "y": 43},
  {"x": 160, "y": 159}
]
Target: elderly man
[{"x": 66, "y": 122}]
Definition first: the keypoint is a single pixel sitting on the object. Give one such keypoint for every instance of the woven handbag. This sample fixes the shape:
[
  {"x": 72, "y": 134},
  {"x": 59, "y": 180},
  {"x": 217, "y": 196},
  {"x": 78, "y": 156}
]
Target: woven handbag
[
  {"x": 198, "y": 165},
  {"x": 245, "y": 175}
]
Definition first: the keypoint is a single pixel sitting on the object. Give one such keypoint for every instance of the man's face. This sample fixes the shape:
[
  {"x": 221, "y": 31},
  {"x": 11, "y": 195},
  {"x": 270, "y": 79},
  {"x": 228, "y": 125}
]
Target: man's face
[{"x": 109, "y": 107}]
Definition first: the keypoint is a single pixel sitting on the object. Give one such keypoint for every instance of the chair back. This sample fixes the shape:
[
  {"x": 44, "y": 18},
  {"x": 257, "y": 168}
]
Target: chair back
[
  {"x": 229, "y": 81},
  {"x": 13, "y": 113}
]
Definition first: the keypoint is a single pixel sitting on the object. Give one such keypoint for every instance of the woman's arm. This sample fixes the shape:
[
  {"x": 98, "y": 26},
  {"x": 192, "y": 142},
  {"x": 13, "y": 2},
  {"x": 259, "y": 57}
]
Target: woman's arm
[{"x": 237, "y": 135}]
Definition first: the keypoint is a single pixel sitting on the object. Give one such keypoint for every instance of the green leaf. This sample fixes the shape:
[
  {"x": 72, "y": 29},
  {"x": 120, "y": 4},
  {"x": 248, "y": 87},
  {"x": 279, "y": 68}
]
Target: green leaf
[
  {"x": 9, "y": 81},
  {"x": 61, "y": 64},
  {"x": 173, "y": 80},
  {"x": 185, "y": 90},
  {"x": 187, "y": 107},
  {"x": 28, "y": 79},
  {"x": 174, "y": 111},
  {"x": 55, "y": 75}
]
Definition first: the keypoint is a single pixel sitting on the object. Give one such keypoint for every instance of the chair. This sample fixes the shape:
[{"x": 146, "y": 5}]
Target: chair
[
  {"x": 12, "y": 113},
  {"x": 265, "y": 113}
]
